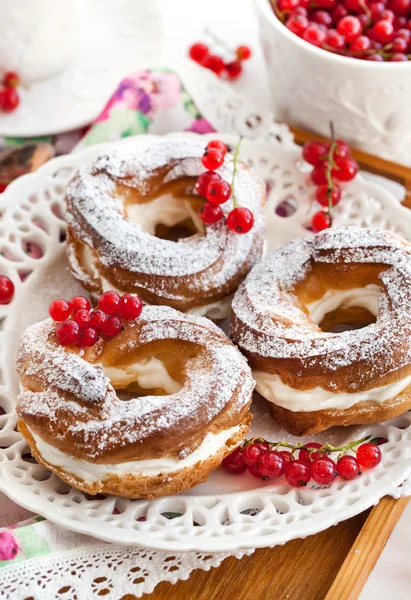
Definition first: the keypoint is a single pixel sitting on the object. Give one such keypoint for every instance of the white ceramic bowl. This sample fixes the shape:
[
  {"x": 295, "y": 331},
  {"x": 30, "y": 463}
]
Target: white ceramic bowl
[{"x": 369, "y": 102}]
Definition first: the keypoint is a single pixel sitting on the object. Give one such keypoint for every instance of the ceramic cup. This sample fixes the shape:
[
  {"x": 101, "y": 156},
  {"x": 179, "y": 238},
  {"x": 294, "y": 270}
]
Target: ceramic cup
[
  {"x": 40, "y": 38},
  {"x": 368, "y": 102}
]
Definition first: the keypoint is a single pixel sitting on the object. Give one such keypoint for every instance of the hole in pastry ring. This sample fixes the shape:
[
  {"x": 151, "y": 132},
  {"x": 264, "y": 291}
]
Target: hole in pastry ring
[
  {"x": 71, "y": 405},
  {"x": 199, "y": 270},
  {"x": 274, "y": 331}
]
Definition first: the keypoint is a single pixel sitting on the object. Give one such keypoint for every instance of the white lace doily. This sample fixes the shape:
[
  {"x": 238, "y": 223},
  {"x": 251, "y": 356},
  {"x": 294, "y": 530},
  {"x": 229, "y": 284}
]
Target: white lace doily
[{"x": 214, "y": 516}]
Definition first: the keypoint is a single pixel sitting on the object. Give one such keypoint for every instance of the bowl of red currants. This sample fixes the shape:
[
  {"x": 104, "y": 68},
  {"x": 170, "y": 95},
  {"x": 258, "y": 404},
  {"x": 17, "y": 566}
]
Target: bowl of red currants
[{"x": 348, "y": 61}]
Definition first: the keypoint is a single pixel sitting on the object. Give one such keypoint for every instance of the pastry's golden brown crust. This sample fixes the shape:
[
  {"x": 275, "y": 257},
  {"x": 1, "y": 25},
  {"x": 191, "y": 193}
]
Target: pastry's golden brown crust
[
  {"x": 71, "y": 405},
  {"x": 137, "y": 486},
  {"x": 186, "y": 265},
  {"x": 272, "y": 326}
]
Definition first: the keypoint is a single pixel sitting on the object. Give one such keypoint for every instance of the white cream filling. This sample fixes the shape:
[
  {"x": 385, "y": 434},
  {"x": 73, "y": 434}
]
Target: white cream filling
[
  {"x": 164, "y": 210},
  {"x": 90, "y": 472},
  {"x": 149, "y": 373},
  {"x": 366, "y": 297},
  {"x": 274, "y": 390}
]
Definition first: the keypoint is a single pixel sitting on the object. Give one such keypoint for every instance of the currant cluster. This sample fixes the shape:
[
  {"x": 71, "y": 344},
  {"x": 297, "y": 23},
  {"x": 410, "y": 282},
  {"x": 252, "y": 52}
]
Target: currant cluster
[
  {"x": 377, "y": 30},
  {"x": 6, "y": 290},
  {"x": 78, "y": 324},
  {"x": 217, "y": 191},
  {"x": 265, "y": 460},
  {"x": 9, "y": 97},
  {"x": 332, "y": 164},
  {"x": 232, "y": 69}
]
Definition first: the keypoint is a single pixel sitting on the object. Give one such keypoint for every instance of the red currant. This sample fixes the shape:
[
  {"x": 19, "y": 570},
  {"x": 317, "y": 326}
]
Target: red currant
[
  {"x": 286, "y": 456},
  {"x": 314, "y": 34},
  {"x": 218, "y": 192},
  {"x": 354, "y": 5},
  {"x": 297, "y": 24},
  {"x": 130, "y": 306},
  {"x": 252, "y": 454},
  {"x": 67, "y": 332},
  {"x": 240, "y": 220},
  {"x": 360, "y": 44},
  {"x": 324, "y": 471},
  {"x": 349, "y": 27},
  {"x": 376, "y": 10},
  {"x": 198, "y": 52},
  {"x": 264, "y": 446},
  {"x": 334, "y": 39},
  {"x": 405, "y": 34},
  {"x": 203, "y": 180},
  {"x": 9, "y": 99},
  {"x": 297, "y": 473},
  {"x": 234, "y": 462},
  {"x": 322, "y": 17},
  {"x": 325, "y": 196},
  {"x": 399, "y": 57},
  {"x": 328, "y": 4},
  {"x": 305, "y": 456},
  {"x": 346, "y": 168},
  {"x": 255, "y": 471},
  {"x": 11, "y": 78},
  {"x": 79, "y": 302},
  {"x": 369, "y": 455},
  {"x": 287, "y": 5},
  {"x": 6, "y": 290},
  {"x": 233, "y": 69},
  {"x": 212, "y": 159},
  {"x": 97, "y": 319},
  {"x": 82, "y": 317},
  {"x": 59, "y": 310},
  {"x": 214, "y": 63},
  {"x": 211, "y": 213},
  {"x": 217, "y": 145},
  {"x": 243, "y": 52},
  {"x": 348, "y": 467},
  {"x": 341, "y": 147},
  {"x": 314, "y": 153},
  {"x": 87, "y": 338},
  {"x": 321, "y": 220},
  {"x": 318, "y": 175},
  {"x": 388, "y": 15},
  {"x": 109, "y": 302},
  {"x": 111, "y": 327},
  {"x": 400, "y": 7},
  {"x": 300, "y": 10},
  {"x": 399, "y": 44},
  {"x": 339, "y": 12},
  {"x": 271, "y": 465},
  {"x": 383, "y": 31},
  {"x": 375, "y": 58}
]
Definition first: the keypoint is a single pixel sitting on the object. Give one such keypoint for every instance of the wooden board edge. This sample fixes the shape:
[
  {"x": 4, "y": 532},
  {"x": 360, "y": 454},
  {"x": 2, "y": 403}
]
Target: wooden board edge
[{"x": 366, "y": 549}]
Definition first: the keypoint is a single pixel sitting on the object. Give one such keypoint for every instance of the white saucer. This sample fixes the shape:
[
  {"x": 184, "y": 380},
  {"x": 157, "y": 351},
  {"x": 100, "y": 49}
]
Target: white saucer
[{"x": 123, "y": 36}]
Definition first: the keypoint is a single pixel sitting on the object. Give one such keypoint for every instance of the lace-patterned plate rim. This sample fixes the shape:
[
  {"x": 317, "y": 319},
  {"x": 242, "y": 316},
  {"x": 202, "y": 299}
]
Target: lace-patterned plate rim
[{"x": 215, "y": 517}]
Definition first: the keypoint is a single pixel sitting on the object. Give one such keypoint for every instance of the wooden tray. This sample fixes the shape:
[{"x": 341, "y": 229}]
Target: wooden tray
[{"x": 332, "y": 565}]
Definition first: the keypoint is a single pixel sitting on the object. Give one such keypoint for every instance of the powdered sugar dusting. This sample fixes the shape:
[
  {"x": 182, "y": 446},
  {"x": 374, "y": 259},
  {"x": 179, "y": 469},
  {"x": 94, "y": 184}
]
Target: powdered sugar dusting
[
  {"x": 268, "y": 323},
  {"x": 97, "y": 218},
  {"x": 214, "y": 377}
]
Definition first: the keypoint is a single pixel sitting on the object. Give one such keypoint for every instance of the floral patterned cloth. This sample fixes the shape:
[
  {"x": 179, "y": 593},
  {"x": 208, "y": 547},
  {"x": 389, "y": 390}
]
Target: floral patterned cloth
[{"x": 147, "y": 101}]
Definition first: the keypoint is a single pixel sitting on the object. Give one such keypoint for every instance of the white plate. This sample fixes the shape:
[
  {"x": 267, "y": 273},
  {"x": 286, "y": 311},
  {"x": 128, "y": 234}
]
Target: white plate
[
  {"x": 215, "y": 516},
  {"x": 122, "y": 36}
]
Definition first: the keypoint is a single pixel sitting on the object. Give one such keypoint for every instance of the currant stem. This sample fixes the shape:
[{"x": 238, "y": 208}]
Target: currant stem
[
  {"x": 326, "y": 448},
  {"x": 235, "y": 159}
]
